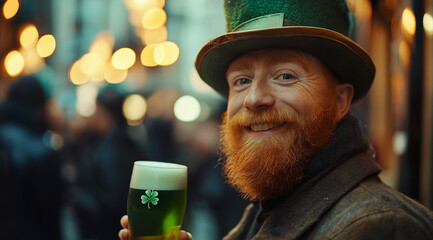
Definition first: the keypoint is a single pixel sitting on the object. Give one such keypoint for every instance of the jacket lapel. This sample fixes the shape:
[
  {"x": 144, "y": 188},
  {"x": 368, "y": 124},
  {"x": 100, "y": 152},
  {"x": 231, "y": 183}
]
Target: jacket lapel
[
  {"x": 244, "y": 224},
  {"x": 305, "y": 206}
]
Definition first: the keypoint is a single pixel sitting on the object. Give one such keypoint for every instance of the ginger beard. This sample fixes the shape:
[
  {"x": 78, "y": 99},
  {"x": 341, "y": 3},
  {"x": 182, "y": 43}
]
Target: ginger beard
[{"x": 266, "y": 167}]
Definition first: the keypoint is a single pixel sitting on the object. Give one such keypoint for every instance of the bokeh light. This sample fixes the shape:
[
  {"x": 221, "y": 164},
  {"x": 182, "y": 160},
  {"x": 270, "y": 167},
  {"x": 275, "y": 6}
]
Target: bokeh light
[
  {"x": 187, "y": 108},
  {"x": 29, "y": 36},
  {"x": 154, "y": 18},
  {"x": 140, "y": 5},
  {"x": 408, "y": 21},
  {"x": 123, "y": 58},
  {"x": 113, "y": 75},
  {"x": 76, "y": 75},
  {"x": 154, "y": 36},
  {"x": 86, "y": 99},
  {"x": 134, "y": 109},
  {"x": 14, "y": 63},
  {"x": 10, "y": 8},
  {"x": 146, "y": 56},
  {"x": 103, "y": 46},
  {"x": 166, "y": 53},
  {"x": 404, "y": 53},
  {"x": 33, "y": 62},
  {"x": 46, "y": 46},
  {"x": 428, "y": 24},
  {"x": 90, "y": 63}
]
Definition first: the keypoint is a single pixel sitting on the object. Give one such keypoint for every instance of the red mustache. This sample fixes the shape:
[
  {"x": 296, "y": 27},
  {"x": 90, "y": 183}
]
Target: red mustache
[{"x": 246, "y": 118}]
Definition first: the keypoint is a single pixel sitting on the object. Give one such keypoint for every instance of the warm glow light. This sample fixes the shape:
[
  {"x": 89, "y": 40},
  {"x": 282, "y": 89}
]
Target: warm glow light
[
  {"x": 154, "y": 3},
  {"x": 14, "y": 63},
  {"x": 187, "y": 108},
  {"x": 139, "y": 5},
  {"x": 76, "y": 75},
  {"x": 404, "y": 53},
  {"x": 146, "y": 57},
  {"x": 46, "y": 45},
  {"x": 113, "y": 75},
  {"x": 103, "y": 46},
  {"x": 136, "y": 4},
  {"x": 154, "y": 18},
  {"x": 123, "y": 58},
  {"x": 90, "y": 63},
  {"x": 166, "y": 53},
  {"x": 408, "y": 21},
  {"x": 29, "y": 36},
  {"x": 428, "y": 24},
  {"x": 10, "y": 8},
  {"x": 33, "y": 62},
  {"x": 86, "y": 99},
  {"x": 154, "y": 36},
  {"x": 134, "y": 108}
]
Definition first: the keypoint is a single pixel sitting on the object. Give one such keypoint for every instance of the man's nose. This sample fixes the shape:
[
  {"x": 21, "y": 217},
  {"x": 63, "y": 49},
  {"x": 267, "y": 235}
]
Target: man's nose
[{"x": 259, "y": 96}]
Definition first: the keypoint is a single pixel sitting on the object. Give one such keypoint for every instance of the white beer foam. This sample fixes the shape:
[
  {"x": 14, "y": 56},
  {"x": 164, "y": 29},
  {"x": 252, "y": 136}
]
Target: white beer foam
[{"x": 158, "y": 176}]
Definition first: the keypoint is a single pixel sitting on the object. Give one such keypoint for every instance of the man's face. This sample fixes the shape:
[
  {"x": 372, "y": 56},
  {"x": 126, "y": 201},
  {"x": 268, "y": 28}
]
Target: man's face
[{"x": 282, "y": 107}]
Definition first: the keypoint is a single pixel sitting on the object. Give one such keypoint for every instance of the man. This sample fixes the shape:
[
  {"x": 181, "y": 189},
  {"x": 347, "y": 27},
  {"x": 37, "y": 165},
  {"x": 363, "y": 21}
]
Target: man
[
  {"x": 30, "y": 183},
  {"x": 290, "y": 74},
  {"x": 103, "y": 160}
]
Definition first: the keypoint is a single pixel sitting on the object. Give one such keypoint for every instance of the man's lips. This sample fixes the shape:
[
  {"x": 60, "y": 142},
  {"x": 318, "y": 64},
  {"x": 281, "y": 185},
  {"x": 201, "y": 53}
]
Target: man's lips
[{"x": 260, "y": 127}]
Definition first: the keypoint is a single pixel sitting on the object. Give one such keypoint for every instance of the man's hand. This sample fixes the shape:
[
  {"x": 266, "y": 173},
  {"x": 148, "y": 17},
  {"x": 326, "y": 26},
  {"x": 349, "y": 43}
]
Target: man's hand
[{"x": 124, "y": 233}]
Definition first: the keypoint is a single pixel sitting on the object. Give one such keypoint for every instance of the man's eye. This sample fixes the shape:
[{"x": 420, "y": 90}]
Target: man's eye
[
  {"x": 286, "y": 76},
  {"x": 242, "y": 81}
]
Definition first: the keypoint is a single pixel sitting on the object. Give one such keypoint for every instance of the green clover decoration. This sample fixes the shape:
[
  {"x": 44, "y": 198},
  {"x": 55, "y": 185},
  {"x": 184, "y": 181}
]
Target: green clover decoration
[{"x": 150, "y": 198}]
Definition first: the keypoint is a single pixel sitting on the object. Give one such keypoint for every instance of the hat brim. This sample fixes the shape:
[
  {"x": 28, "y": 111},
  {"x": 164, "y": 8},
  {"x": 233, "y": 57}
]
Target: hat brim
[{"x": 346, "y": 59}]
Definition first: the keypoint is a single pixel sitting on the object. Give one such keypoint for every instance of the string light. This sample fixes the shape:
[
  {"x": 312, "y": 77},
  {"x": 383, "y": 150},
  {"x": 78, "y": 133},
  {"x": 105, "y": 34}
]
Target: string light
[
  {"x": 76, "y": 75},
  {"x": 46, "y": 46},
  {"x": 10, "y": 8},
  {"x": 29, "y": 36},
  {"x": 166, "y": 53},
  {"x": 123, "y": 58},
  {"x": 408, "y": 21},
  {"x": 154, "y": 18},
  {"x": 147, "y": 54},
  {"x": 14, "y": 63},
  {"x": 428, "y": 24}
]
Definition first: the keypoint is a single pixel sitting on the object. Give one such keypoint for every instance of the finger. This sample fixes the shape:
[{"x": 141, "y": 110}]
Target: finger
[
  {"x": 124, "y": 234},
  {"x": 124, "y": 221},
  {"x": 184, "y": 235}
]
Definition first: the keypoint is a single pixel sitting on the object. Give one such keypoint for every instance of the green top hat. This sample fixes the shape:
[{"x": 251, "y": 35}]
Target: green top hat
[{"x": 318, "y": 27}]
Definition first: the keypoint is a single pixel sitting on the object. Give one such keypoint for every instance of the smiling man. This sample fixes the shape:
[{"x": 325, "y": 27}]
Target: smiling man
[
  {"x": 283, "y": 106},
  {"x": 290, "y": 75}
]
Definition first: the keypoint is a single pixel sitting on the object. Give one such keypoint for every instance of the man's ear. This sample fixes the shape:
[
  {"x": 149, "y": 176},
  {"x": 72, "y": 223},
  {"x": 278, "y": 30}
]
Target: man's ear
[{"x": 344, "y": 94}]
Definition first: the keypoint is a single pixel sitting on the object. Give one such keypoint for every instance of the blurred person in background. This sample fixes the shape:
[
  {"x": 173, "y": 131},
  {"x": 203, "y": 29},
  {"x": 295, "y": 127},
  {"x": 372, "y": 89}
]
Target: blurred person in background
[
  {"x": 98, "y": 164},
  {"x": 30, "y": 180}
]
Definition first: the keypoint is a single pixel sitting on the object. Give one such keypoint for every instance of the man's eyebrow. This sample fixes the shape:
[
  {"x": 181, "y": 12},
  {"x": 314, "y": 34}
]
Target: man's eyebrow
[
  {"x": 289, "y": 58},
  {"x": 240, "y": 65}
]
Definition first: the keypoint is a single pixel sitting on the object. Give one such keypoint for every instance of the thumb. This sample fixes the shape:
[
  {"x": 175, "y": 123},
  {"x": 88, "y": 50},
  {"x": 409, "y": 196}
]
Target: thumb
[{"x": 183, "y": 235}]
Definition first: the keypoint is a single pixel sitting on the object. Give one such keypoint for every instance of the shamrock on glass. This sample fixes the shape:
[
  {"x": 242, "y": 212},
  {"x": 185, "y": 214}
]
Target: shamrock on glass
[
  {"x": 156, "y": 184},
  {"x": 150, "y": 197}
]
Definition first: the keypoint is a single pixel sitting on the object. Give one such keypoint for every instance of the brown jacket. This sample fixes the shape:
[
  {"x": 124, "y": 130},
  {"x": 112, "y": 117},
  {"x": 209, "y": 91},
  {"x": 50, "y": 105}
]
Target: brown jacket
[{"x": 347, "y": 201}]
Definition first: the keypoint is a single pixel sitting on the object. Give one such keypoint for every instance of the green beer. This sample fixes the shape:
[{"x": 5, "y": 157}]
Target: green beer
[{"x": 156, "y": 200}]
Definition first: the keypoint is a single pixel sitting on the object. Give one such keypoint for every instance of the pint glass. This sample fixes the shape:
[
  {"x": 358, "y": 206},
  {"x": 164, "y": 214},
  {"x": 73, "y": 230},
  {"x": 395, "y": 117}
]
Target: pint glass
[{"x": 156, "y": 200}]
